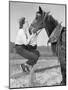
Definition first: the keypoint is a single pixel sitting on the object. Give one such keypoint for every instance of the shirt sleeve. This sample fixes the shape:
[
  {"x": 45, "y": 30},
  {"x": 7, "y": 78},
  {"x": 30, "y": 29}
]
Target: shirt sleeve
[{"x": 20, "y": 38}]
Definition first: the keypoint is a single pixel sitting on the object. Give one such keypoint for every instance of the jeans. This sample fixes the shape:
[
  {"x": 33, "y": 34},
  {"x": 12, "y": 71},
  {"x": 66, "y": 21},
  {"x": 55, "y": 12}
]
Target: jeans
[{"x": 29, "y": 52}]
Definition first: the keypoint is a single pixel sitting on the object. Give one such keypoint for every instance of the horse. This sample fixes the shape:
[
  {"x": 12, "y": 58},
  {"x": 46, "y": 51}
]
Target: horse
[{"x": 57, "y": 36}]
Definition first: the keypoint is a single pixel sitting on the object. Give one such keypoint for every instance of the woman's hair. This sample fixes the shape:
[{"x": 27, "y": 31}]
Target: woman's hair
[{"x": 21, "y": 22}]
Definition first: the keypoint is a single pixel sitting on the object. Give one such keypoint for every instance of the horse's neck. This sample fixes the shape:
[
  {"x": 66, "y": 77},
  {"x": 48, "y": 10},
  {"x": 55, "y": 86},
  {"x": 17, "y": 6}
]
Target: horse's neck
[{"x": 50, "y": 24}]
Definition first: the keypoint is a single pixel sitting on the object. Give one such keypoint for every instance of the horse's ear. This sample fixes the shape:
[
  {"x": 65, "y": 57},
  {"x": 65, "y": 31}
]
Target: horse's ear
[{"x": 40, "y": 9}]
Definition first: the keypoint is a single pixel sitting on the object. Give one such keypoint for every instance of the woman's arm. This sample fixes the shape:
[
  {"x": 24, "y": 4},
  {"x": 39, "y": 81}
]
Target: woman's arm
[{"x": 28, "y": 41}]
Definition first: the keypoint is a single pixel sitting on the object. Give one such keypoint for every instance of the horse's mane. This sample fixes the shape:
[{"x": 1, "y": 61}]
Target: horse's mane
[{"x": 50, "y": 24}]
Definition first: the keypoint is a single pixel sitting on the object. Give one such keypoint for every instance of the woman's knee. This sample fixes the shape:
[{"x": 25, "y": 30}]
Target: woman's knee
[{"x": 36, "y": 57}]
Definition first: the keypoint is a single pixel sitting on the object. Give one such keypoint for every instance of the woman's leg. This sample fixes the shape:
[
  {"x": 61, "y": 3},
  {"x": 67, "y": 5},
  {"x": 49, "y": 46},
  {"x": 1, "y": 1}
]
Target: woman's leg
[
  {"x": 35, "y": 53},
  {"x": 24, "y": 52},
  {"x": 30, "y": 47},
  {"x": 32, "y": 56},
  {"x": 33, "y": 61}
]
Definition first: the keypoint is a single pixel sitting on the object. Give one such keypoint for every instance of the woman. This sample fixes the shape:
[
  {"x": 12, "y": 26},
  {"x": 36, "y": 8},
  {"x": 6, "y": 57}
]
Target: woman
[{"x": 26, "y": 46}]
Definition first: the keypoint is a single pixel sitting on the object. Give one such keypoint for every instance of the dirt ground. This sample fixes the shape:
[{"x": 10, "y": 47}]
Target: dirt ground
[{"x": 47, "y": 73}]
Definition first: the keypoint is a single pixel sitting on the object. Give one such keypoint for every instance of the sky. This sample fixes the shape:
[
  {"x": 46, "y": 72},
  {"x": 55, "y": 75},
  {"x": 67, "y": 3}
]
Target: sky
[{"x": 28, "y": 10}]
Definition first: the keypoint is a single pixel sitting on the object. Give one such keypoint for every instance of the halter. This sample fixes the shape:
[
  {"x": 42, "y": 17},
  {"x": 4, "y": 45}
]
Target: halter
[{"x": 41, "y": 22}]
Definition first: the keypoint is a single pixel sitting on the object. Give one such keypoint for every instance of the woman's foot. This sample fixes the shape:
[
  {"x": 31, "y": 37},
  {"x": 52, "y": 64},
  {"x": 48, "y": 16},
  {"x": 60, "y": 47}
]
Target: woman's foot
[
  {"x": 26, "y": 67},
  {"x": 30, "y": 67}
]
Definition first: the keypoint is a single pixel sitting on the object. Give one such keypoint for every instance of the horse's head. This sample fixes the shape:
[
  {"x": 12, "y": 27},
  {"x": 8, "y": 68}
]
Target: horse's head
[
  {"x": 43, "y": 20},
  {"x": 38, "y": 22}
]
